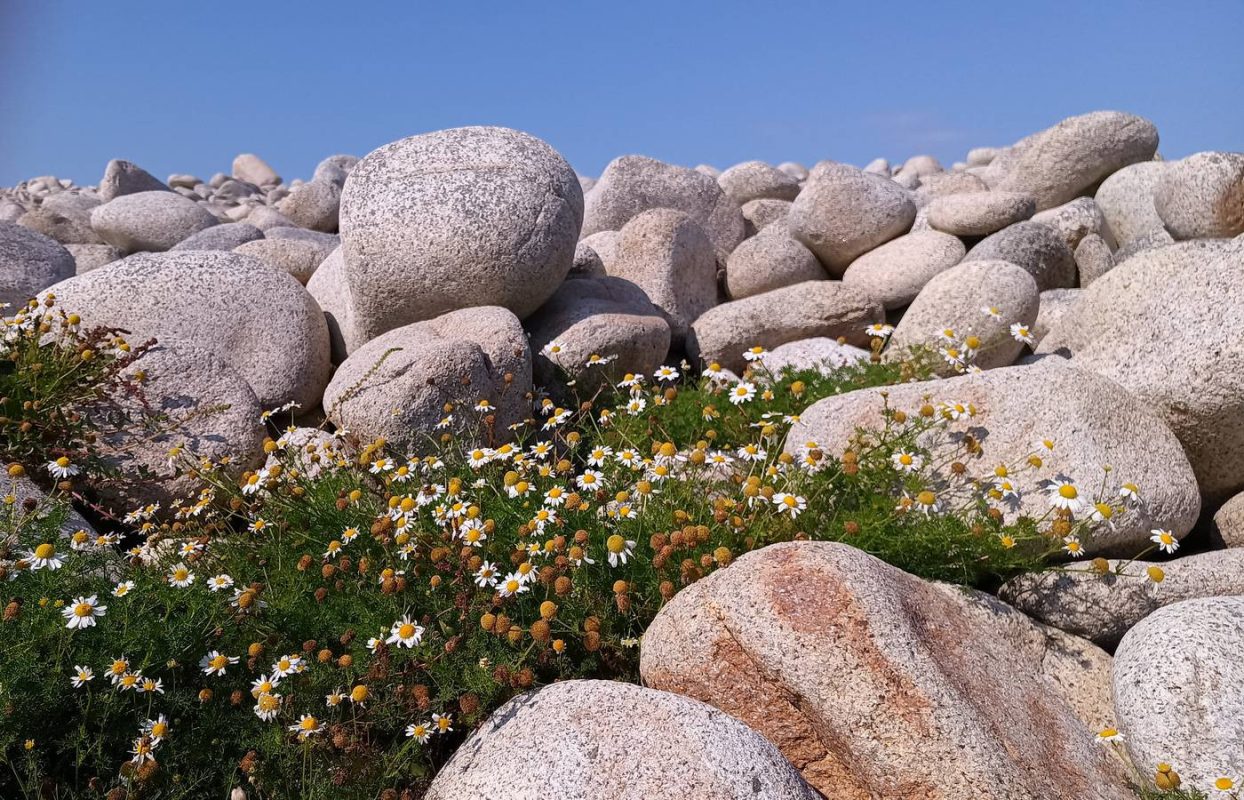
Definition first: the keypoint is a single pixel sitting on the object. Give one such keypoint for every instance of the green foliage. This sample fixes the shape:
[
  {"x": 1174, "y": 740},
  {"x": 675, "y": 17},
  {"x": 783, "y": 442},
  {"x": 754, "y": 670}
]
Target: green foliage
[{"x": 372, "y": 567}]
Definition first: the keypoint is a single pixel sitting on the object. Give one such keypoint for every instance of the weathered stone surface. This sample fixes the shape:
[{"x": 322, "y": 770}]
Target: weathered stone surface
[
  {"x": 760, "y": 214},
  {"x": 397, "y": 384},
  {"x": 1075, "y": 220},
  {"x": 979, "y": 213},
  {"x": 153, "y": 221},
  {"x": 753, "y": 180},
  {"x": 668, "y": 255},
  {"x": 457, "y": 218},
  {"x": 266, "y": 218},
  {"x": 1093, "y": 259},
  {"x": 257, "y": 319},
  {"x": 200, "y": 404},
  {"x": 1202, "y": 196},
  {"x": 770, "y": 260},
  {"x": 1126, "y": 201},
  {"x": 873, "y": 682},
  {"x": 331, "y": 291},
  {"x": 125, "y": 177},
  {"x": 297, "y": 255},
  {"x": 594, "y": 253},
  {"x": 598, "y": 740},
  {"x": 73, "y": 229},
  {"x": 1092, "y": 422},
  {"x": 221, "y": 237},
  {"x": 315, "y": 205},
  {"x": 819, "y": 353},
  {"x": 1177, "y": 678},
  {"x": 609, "y": 317},
  {"x": 631, "y": 185},
  {"x": 29, "y": 263},
  {"x": 794, "y": 169},
  {"x": 1161, "y": 325},
  {"x": 802, "y": 311},
  {"x": 843, "y": 213},
  {"x": 955, "y": 299},
  {"x": 87, "y": 257},
  {"x": 895, "y": 272},
  {"x": 1059, "y": 163},
  {"x": 253, "y": 169},
  {"x": 1035, "y": 247},
  {"x": 1054, "y": 304},
  {"x": 1228, "y": 525},
  {"x": 1102, "y": 608}
]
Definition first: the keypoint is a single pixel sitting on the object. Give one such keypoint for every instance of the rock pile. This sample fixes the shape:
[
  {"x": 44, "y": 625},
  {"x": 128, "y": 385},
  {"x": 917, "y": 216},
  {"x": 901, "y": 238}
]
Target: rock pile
[{"x": 1097, "y": 288}]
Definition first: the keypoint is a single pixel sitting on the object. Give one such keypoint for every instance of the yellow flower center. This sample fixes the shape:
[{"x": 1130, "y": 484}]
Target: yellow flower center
[
  {"x": 268, "y": 702},
  {"x": 309, "y": 723},
  {"x": 790, "y": 501},
  {"x": 406, "y": 631},
  {"x": 926, "y": 498},
  {"x": 359, "y": 694},
  {"x": 159, "y": 730},
  {"x": 62, "y": 462},
  {"x": 1224, "y": 784},
  {"x": 1105, "y": 510},
  {"x": 905, "y": 459},
  {"x": 45, "y": 551},
  {"x": 83, "y": 609},
  {"x": 219, "y": 662},
  {"x": 181, "y": 574},
  {"x": 512, "y": 586},
  {"x": 615, "y": 544},
  {"x": 1068, "y": 491}
]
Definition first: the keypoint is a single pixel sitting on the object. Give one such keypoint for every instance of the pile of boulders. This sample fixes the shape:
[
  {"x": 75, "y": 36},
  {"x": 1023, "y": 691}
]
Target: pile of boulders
[{"x": 436, "y": 271}]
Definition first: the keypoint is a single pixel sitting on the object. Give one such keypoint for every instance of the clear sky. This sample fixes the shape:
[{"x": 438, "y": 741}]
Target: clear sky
[{"x": 183, "y": 86}]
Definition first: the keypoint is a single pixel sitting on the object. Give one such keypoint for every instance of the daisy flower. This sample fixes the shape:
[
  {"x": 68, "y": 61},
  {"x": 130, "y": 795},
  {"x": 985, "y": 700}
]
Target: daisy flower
[
  {"x": 1165, "y": 540},
  {"x": 82, "y": 612},
  {"x": 116, "y": 669},
  {"x": 1226, "y": 783},
  {"x": 62, "y": 468},
  {"x": 743, "y": 392},
  {"x": 486, "y": 575},
  {"x": 264, "y": 684},
  {"x": 334, "y": 699},
  {"x": 1108, "y": 736},
  {"x": 635, "y": 406},
  {"x": 44, "y": 557},
  {"x": 512, "y": 585},
  {"x": 597, "y": 456},
  {"x": 926, "y": 501},
  {"x": 143, "y": 750},
  {"x": 420, "y": 732},
  {"x": 151, "y": 686},
  {"x": 267, "y": 706},
  {"x": 590, "y": 480},
  {"x": 81, "y": 676},
  {"x": 992, "y": 311},
  {"x": 287, "y": 665},
  {"x": 307, "y": 725},
  {"x": 957, "y": 411},
  {"x": 789, "y": 503},
  {"x": 1064, "y": 495},
  {"x": 1021, "y": 333},
  {"x": 1073, "y": 547},
  {"x": 1130, "y": 492},
  {"x": 597, "y": 360},
  {"x": 753, "y": 353},
  {"x": 752, "y": 452},
  {"x": 879, "y": 331},
  {"x": 668, "y": 374},
  {"x": 619, "y": 549},
  {"x": 484, "y": 407},
  {"x": 215, "y": 663},
  {"x": 405, "y": 633},
  {"x": 156, "y": 729},
  {"x": 906, "y": 462},
  {"x": 180, "y": 576},
  {"x": 444, "y": 723},
  {"x": 219, "y": 582}
]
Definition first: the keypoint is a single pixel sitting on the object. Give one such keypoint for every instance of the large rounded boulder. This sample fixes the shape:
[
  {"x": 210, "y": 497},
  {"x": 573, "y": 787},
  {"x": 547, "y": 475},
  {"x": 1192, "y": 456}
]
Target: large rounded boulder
[
  {"x": 1061, "y": 162},
  {"x": 875, "y": 683},
  {"x": 604, "y": 739},
  {"x": 1202, "y": 196},
  {"x": 1168, "y": 325},
  {"x": 1091, "y": 421},
  {"x": 607, "y": 317},
  {"x": 631, "y": 185},
  {"x": 843, "y": 213},
  {"x": 259, "y": 320},
  {"x": 457, "y": 218},
  {"x": 29, "y": 263},
  {"x": 151, "y": 221},
  {"x": 398, "y": 385}
]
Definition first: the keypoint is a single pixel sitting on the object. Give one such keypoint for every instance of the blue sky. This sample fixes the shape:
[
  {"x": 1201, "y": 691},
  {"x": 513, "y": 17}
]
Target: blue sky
[{"x": 184, "y": 86}]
